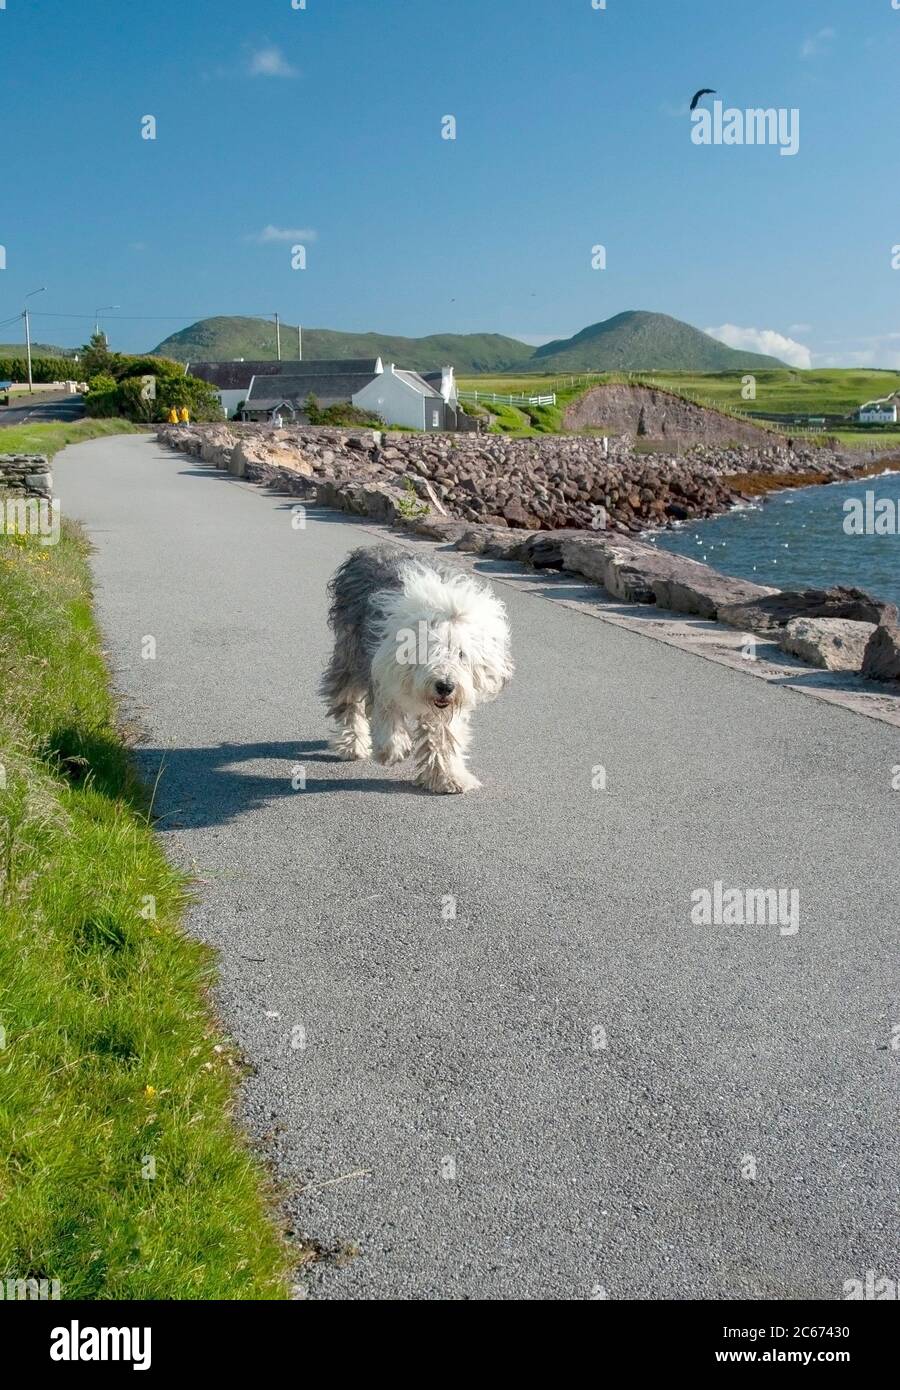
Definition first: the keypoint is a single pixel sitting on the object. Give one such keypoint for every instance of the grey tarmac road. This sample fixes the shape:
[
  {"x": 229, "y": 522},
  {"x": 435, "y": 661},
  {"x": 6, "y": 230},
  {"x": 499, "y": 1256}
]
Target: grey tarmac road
[
  {"x": 39, "y": 409},
  {"x": 566, "y": 1087}
]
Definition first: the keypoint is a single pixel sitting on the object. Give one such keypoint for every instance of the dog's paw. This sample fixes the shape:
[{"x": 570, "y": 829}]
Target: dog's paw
[
  {"x": 463, "y": 782},
  {"x": 394, "y": 751},
  {"x": 453, "y": 784},
  {"x": 352, "y": 750}
]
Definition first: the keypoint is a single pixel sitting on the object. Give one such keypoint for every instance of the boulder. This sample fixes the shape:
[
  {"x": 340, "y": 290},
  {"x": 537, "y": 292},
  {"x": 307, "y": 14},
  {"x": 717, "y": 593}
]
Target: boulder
[
  {"x": 618, "y": 565},
  {"x": 436, "y": 528},
  {"x": 544, "y": 549},
  {"x": 881, "y": 659},
  {"x": 40, "y": 482},
  {"x": 832, "y": 644},
  {"x": 638, "y": 572},
  {"x": 768, "y": 616},
  {"x": 691, "y": 587},
  {"x": 502, "y": 543},
  {"x": 516, "y": 515}
]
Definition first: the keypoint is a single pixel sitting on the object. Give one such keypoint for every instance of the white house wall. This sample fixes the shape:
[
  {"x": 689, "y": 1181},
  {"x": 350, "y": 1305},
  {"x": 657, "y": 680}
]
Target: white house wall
[
  {"x": 392, "y": 399},
  {"x": 230, "y": 400}
]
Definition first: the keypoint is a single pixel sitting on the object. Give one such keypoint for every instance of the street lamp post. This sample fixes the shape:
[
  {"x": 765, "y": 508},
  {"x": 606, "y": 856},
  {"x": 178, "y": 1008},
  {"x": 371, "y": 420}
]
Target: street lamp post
[
  {"x": 104, "y": 308},
  {"x": 28, "y": 335}
]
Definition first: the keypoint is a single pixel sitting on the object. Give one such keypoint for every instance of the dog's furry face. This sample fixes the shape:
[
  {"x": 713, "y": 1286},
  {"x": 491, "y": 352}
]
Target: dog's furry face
[{"x": 442, "y": 643}]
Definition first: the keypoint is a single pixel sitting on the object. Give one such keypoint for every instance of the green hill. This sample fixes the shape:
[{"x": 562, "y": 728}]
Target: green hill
[
  {"x": 637, "y": 341},
  {"x": 37, "y": 350},
  {"x": 225, "y": 339},
  {"x": 630, "y": 342}
]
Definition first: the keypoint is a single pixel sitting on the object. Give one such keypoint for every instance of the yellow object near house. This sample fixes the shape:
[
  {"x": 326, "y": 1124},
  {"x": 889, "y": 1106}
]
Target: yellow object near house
[
  {"x": 173, "y": 416},
  {"x": 185, "y": 415}
]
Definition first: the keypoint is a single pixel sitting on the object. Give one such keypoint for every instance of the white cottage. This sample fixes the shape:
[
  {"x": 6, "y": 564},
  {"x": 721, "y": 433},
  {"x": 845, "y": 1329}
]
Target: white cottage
[
  {"x": 406, "y": 398},
  {"x": 882, "y": 412}
]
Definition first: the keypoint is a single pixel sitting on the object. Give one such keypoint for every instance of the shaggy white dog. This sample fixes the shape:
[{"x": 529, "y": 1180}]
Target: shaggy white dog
[{"x": 417, "y": 646}]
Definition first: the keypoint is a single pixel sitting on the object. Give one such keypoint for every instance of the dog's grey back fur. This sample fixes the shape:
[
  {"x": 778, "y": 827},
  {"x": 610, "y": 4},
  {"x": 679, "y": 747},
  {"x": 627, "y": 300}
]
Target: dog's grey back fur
[{"x": 366, "y": 571}]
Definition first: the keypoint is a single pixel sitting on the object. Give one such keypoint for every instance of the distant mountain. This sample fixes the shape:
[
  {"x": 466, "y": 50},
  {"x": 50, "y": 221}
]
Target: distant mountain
[
  {"x": 631, "y": 342},
  {"x": 640, "y": 342},
  {"x": 224, "y": 339},
  {"x": 37, "y": 350}
]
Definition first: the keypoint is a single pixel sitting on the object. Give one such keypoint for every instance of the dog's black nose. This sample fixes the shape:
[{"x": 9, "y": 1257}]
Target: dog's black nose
[{"x": 444, "y": 687}]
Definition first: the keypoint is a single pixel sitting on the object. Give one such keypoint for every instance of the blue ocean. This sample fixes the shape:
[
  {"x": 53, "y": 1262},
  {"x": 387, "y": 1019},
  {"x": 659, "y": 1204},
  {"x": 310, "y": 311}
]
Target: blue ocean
[{"x": 797, "y": 539}]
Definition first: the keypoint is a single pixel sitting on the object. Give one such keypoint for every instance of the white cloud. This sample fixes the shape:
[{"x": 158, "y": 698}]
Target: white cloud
[
  {"x": 868, "y": 352},
  {"x": 800, "y": 328},
  {"x": 270, "y": 233},
  {"x": 271, "y": 62},
  {"x": 817, "y": 44},
  {"x": 764, "y": 340}
]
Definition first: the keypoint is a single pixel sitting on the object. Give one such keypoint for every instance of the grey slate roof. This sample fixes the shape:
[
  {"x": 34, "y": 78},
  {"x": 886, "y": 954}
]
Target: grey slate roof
[
  {"x": 267, "y": 392},
  {"x": 231, "y": 376},
  {"x": 418, "y": 383},
  {"x": 236, "y": 376},
  {"x": 334, "y": 366}
]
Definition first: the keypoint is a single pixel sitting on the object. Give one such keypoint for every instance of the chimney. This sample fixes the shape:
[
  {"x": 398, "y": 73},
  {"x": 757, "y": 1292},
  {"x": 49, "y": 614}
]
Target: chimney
[{"x": 448, "y": 385}]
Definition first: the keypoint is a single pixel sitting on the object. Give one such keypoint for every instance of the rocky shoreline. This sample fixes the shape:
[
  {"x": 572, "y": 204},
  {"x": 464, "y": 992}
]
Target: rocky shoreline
[
  {"x": 578, "y": 504},
  {"x": 546, "y": 483}
]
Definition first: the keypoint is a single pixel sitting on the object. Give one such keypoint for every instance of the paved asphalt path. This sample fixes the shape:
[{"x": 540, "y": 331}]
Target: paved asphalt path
[
  {"x": 39, "y": 408},
  {"x": 434, "y": 1090}
]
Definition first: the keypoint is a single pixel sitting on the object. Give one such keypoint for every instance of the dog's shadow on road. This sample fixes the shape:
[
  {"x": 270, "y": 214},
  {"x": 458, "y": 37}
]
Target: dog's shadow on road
[{"x": 215, "y": 785}]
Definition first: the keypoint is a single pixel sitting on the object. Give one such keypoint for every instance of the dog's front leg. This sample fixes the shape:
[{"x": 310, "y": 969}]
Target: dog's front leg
[
  {"x": 353, "y": 741},
  {"x": 391, "y": 742},
  {"x": 441, "y": 746}
]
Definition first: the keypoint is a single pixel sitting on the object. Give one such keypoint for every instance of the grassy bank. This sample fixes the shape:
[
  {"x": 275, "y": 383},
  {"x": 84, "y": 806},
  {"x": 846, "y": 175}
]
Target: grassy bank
[
  {"x": 49, "y": 437},
  {"x": 121, "y": 1174}
]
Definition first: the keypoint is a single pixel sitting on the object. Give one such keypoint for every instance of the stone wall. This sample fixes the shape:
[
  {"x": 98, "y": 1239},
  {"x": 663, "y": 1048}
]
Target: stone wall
[{"x": 25, "y": 473}]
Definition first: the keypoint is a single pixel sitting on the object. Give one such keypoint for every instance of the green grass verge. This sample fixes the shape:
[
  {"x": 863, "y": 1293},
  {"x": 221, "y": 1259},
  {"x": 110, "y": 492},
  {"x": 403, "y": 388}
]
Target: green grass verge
[
  {"x": 51, "y": 436},
  {"x": 122, "y": 1173},
  {"x": 863, "y": 439}
]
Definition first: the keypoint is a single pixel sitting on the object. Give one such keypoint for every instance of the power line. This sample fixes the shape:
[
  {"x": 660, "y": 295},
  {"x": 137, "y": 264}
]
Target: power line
[{"x": 115, "y": 318}]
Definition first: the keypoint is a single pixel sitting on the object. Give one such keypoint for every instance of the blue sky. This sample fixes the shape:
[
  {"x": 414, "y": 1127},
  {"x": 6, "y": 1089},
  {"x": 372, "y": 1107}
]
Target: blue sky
[{"x": 323, "y": 125}]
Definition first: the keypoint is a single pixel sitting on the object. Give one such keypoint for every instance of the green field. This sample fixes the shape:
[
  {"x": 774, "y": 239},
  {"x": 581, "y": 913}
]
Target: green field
[
  {"x": 122, "y": 1174},
  {"x": 833, "y": 391},
  {"x": 780, "y": 391}
]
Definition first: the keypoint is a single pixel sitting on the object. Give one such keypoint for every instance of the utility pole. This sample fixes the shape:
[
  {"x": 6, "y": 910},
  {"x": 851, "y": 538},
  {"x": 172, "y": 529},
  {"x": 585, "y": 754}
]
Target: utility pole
[
  {"x": 28, "y": 335},
  {"x": 28, "y": 353},
  {"x": 277, "y": 338},
  {"x": 299, "y": 343}
]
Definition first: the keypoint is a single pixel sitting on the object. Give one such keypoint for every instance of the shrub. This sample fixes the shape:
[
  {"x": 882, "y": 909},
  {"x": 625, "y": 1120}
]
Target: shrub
[
  {"x": 101, "y": 399},
  {"x": 349, "y": 415},
  {"x": 149, "y": 366},
  {"x": 199, "y": 397},
  {"x": 106, "y": 396}
]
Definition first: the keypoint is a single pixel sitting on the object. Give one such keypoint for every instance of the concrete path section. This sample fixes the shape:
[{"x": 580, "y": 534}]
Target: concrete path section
[{"x": 492, "y": 1055}]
